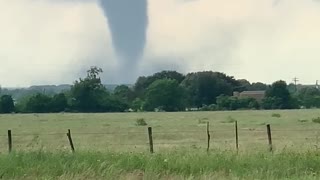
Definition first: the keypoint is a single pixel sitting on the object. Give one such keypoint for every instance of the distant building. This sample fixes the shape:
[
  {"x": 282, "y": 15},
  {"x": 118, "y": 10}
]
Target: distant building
[{"x": 257, "y": 95}]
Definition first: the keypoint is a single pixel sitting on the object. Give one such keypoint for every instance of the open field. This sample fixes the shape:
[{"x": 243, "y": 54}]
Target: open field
[
  {"x": 167, "y": 166},
  {"x": 294, "y": 130},
  {"x": 112, "y": 146}
]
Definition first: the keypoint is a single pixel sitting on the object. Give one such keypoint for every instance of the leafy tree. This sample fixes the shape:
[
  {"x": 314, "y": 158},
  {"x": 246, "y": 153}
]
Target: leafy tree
[
  {"x": 279, "y": 95},
  {"x": 137, "y": 104},
  {"x": 205, "y": 87},
  {"x": 169, "y": 75},
  {"x": 88, "y": 94},
  {"x": 258, "y": 86},
  {"x": 271, "y": 103},
  {"x": 234, "y": 103},
  {"x": 309, "y": 97},
  {"x": 59, "y": 103},
  {"x": 21, "y": 104},
  {"x": 124, "y": 93},
  {"x": 165, "y": 94},
  {"x": 6, "y": 104},
  {"x": 211, "y": 107},
  {"x": 113, "y": 104},
  {"x": 143, "y": 82},
  {"x": 248, "y": 103},
  {"x": 244, "y": 85},
  {"x": 39, "y": 103},
  {"x": 224, "y": 102},
  {"x": 278, "y": 89},
  {"x": 253, "y": 104}
]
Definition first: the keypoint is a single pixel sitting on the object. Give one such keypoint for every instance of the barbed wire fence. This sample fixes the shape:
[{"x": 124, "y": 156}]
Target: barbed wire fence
[{"x": 208, "y": 137}]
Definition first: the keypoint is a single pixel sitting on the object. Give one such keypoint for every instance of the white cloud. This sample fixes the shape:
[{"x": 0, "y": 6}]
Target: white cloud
[
  {"x": 44, "y": 42},
  {"x": 249, "y": 38}
]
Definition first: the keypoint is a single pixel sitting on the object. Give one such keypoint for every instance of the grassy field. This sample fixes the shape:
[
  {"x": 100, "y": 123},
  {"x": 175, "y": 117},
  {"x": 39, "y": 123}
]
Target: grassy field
[
  {"x": 293, "y": 130},
  {"x": 112, "y": 146},
  {"x": 178, "y": 165}
]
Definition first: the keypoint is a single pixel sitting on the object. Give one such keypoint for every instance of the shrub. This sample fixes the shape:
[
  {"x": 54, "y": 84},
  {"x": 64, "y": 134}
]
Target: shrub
[
  {"x": 205, "y": 108},
  {"x": 211, "y": 107},
  {"x": 141, "y": 122},
  {"x": 316, "y": 120},
  {"x": 276, "y": 115},
  {"x": 302, "y": 120}
]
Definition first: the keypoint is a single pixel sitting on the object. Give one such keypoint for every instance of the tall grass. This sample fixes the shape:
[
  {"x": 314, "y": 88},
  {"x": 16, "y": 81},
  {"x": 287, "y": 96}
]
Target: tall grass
[{"x": 173, "y": 165}]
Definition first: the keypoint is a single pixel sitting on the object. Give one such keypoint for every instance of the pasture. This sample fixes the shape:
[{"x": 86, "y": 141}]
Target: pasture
[
  {"x": 293, "y": 130},
  {"x": 113, "y": 146}
]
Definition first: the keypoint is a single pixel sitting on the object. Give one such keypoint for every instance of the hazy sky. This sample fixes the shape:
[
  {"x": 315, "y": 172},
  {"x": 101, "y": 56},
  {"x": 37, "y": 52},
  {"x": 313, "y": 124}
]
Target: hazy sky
[{"x": 53, "y": 41}]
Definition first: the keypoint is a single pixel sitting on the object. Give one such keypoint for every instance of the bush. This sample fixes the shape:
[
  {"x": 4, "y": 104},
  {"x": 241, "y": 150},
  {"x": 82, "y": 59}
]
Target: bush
[
  {"x": 211, "y": 107},
  {"x": 276, "y": 115},
  {"x": 316, "y": 120},
  {"x": 141, "y": 122},
  {"x": 234, "y": 103},
  {"x": 302, "y": 120},
  {"x": 271, "y": 103}
]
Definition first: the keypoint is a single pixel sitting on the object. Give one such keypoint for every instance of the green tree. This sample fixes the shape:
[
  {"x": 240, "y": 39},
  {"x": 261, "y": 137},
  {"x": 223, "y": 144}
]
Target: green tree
[
  {"x": 224, "y": 102},
  {"x": 59, "y": 103},
  {"x": 258, "y": 86},
  {"x": 244, "y": 85},
  {"x": 39, "y": 103},
  {"x": 137, "y": 104},
  {"x": 113, "y": 104},
  {"x": 309, "y": 97},
  {"x": 271, "y": 103},
  {"x": 204, "y": 87},
  {"x": 234, "y": 103},
  {"x": 6, "y": 104},
  {"x": 279, "y": 95},
  {"x": 89, "y": 93},
  {"x": 143, "y": 82},
  {"x": 165, "y": 94},
  {"x": 124, "y": 93},
  {"x": 21, "y": 104}
]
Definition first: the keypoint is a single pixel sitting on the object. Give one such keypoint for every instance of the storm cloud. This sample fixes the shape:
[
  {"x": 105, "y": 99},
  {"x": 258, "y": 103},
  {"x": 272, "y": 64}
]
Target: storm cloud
[
  {"x": 128, "y": 22},
  {"x": 52, "y": 41}
]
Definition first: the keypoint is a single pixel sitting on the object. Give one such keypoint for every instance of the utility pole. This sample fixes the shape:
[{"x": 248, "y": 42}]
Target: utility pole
[
  {"x": 317, "y": 84},
  {"x": 295, "y": 80}
]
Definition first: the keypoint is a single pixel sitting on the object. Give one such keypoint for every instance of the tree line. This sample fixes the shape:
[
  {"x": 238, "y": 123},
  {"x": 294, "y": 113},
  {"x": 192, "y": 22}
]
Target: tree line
[{"x": 164, "y": 91}]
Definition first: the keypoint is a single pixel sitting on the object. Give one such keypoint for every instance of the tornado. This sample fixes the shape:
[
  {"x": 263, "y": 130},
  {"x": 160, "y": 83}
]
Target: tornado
[{"x": 128, "y": 23}]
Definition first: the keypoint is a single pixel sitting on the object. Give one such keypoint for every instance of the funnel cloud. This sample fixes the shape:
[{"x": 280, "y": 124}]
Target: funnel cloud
[{"x": 128, "y": 22}]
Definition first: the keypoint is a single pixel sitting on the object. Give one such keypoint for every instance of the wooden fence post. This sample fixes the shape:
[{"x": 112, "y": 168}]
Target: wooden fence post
[
  {"x": 237, "y": 137},
  {"x": 209, "y": 137},
  {"x": 269, "y": 138},
  {"x": 150, "y": 139},
  {"x": 10, "y": 141},
  {"x": 70, "y": 140}
]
